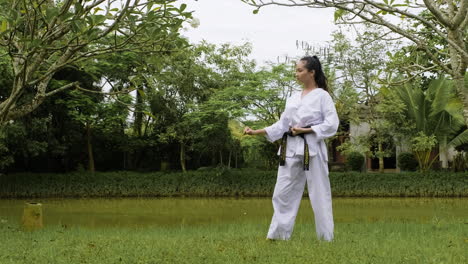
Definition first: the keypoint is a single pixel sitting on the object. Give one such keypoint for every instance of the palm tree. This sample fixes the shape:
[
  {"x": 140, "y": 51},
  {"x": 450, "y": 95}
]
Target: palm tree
[{"x": 436, "y": 111}]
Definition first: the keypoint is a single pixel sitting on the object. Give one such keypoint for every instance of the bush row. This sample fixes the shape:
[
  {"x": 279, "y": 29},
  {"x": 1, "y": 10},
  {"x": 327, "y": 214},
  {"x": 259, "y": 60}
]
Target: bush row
[{"x": 219, "y": 183}]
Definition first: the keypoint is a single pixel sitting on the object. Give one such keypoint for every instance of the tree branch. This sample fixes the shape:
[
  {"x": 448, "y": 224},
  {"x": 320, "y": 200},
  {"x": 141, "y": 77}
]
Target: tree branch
[
  {"x": 126, "y": 91},
  {"x": 380, "y": 21},
  {"x": 76, "y": 84},
  {"x": 376, "y": 19},
  {"x": 437, "y": 12},
  {"x": 461, "y": 18}
]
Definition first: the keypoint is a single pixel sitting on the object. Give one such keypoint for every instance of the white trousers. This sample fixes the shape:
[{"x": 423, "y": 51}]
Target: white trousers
[{"x": 288, "y": 192}]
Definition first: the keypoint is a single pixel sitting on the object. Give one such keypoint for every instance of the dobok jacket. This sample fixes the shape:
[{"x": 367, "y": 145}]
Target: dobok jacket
[{"x": 317, "y": 110}]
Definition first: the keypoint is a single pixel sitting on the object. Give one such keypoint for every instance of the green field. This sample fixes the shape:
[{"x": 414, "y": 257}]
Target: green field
[{"x": 441, "y": 241}]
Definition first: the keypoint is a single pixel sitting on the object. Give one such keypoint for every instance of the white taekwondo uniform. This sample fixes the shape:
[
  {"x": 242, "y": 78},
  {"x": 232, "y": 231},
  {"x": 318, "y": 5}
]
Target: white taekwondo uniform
[{"x": 315, "y": 109}]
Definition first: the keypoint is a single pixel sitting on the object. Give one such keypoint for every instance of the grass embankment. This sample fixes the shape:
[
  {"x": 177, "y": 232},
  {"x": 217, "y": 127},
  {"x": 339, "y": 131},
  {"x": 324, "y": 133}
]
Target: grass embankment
[
  {"x": 440, "y": 241},
  {"x": 223, "y": 183}
]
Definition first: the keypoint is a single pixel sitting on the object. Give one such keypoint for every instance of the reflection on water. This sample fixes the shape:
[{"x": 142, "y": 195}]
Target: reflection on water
[{"x": 138, "y": 212}]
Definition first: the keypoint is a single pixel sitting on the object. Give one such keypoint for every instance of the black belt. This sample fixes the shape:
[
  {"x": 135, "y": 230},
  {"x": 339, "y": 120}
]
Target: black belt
[{"x": 284, "y": 142}]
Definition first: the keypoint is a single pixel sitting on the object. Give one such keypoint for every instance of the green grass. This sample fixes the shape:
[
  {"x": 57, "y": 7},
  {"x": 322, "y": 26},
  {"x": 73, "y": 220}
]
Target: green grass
[{"x": 438, "y": 241}]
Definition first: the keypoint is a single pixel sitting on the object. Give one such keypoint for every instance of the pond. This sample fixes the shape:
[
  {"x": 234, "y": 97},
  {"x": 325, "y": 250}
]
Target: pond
[{"x": 175, "y": 212}]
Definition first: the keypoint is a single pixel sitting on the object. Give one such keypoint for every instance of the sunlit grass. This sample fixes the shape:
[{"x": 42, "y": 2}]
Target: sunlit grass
[{"x": 438, "y": 241}]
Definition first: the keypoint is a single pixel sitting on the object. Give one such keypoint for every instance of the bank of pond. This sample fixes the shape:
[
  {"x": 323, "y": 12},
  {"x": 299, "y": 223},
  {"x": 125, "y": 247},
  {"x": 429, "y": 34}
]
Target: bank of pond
[
  {"x": 170, "y": 212},
  {"x": 224, "y": 183}
]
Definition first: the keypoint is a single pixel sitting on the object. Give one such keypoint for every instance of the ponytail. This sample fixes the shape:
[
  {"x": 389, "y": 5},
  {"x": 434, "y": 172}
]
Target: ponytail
[{"x": 313, "y": 64}]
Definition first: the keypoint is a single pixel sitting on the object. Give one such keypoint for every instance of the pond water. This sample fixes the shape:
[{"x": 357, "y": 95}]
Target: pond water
[{"x": 173, "y": 212}]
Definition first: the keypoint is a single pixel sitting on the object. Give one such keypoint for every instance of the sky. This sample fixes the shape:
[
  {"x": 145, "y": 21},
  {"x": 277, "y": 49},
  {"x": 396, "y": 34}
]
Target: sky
[{"x": 273, "y": 32}]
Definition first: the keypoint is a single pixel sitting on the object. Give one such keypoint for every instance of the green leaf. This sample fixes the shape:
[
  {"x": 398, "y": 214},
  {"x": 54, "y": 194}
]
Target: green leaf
[
  {"x": 460, "y": 139},
  {"x": 78, "y": 8},
  {"x": 141, "y": 92},
  {"x": 35, "y": 43},
  {"x": 455, "y": 108},
  {"x": 182, "y": 7},
  {"x": 255, "y": 11},
  {"x": 51, "y": 13},
  {"x": 97, "y": 9},
  {"x": 66, "y": 16},
  {"x": 149, "y": 114},
  {"x": 440, "y": 91},
  {"x": 339, "y": 13},
  {"x": 4, "y": 26},
  {"x": 78, "y": 26},
  {"x": 99, "y": 19},
  {"x": 382, "y": 12}
]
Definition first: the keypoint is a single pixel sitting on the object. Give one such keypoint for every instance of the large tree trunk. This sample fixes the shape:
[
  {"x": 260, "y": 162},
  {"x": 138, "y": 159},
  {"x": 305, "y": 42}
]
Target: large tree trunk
[
  {"x": 381, "y": 159},
  {"x": 90, "y": 148},
  {"x": 229, "y": 159},
  {"x": 443, "y": 156},
  {"x": 138, "y": 123},
  {"x": 182, "y": 157},
  {"x": 463, "y": 94},
  {"x": 459, "y": 66},
  {"x": 366, "y": 163},
  {"x": 235, "y": 158},
  {"x": 125, "y": 152},
  {"x": 214, "y": 158}
]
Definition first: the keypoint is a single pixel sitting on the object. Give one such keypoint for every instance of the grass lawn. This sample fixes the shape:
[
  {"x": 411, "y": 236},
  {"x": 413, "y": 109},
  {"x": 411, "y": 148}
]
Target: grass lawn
[{"x": 438, "y": 241}]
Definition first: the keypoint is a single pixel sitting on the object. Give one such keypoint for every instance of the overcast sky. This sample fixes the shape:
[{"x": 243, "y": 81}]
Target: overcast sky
[{"x": 273, "y": 31}]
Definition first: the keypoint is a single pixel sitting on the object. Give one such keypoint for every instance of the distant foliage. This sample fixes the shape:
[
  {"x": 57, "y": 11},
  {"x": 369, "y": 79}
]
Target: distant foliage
[
  {"x": 355, "y": 160},
  {"x": 460, "y": 162},
  {"x": 407, "y": 161},
  {"x": 221, "y": 182}
]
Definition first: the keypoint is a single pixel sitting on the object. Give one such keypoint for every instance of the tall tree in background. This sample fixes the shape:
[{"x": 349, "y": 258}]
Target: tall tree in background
[
  {"x": 197, "y": 77},
  {"x": 447, "y": 20},
  {"x": 43, "y": 36},
  {"x": 258, "y": 101},
  {"x": 358, "y": 65}
]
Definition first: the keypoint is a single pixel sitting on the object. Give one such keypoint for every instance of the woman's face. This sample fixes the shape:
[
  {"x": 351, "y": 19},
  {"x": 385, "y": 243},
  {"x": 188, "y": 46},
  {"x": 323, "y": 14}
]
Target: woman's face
[{"x": 302, "y": 74}]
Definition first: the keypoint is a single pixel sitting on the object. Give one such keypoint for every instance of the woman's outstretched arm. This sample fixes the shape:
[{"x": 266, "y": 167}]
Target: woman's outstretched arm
[{"x": 249, "y": 131}]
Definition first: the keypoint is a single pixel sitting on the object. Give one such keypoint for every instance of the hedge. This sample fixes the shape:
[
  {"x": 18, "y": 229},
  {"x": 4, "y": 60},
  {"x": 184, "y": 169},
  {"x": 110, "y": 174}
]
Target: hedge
[{"x": 224, "y": 183}]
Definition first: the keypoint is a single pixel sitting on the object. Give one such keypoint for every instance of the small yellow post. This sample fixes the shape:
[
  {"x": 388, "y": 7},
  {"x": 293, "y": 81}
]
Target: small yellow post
[{"x": 32, "y": 216}]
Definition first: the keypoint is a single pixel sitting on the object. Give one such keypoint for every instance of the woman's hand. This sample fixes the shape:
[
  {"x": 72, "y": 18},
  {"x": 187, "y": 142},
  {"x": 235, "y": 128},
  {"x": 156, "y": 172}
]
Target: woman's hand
[
  {"x": 300, "y": 130},
  {"x": 249, "y": 131}
]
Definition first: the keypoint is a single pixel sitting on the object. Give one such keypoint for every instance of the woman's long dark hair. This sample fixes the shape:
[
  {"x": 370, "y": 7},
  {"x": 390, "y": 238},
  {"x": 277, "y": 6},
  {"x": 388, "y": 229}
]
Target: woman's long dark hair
[{"x": 312, "y": 63}]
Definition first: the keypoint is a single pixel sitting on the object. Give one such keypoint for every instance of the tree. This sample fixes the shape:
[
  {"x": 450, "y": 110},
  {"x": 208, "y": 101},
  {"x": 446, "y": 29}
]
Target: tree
[
  {"x": 436, "y": 115},
  {"x": 258, "y": 101},
  {"x": 445, "y": 19},
  {"x": 358, "y": 66},
  {"x": 43, "y": 36},
  {"x": 176, "y": 93},
  {"x": 261, "y": 94}
]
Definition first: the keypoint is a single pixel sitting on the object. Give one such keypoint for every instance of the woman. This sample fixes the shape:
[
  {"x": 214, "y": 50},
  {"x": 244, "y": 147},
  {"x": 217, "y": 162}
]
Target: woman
[{"x": 309, "y": 117}]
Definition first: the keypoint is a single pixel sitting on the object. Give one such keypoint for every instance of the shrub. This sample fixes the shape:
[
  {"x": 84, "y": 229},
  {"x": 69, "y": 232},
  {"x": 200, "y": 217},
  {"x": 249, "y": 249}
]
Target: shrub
[
  {"x": 460, "y": 162},
  {"x": 228, "y": 183},
  {"x": 355, "y": 160},
  {"x": 407, "y": 161}
]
